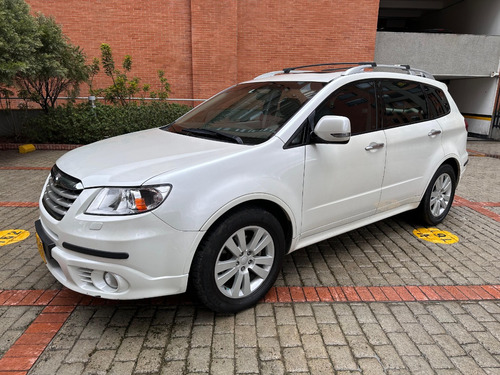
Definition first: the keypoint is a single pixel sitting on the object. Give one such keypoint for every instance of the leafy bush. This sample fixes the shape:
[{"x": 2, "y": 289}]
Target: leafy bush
[
  {"x": 82, "y": 124},
  {"x": 123, "y": 88}
]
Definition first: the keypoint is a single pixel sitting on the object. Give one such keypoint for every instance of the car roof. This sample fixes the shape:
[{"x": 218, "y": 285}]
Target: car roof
[{"x": 333, "y": 72}]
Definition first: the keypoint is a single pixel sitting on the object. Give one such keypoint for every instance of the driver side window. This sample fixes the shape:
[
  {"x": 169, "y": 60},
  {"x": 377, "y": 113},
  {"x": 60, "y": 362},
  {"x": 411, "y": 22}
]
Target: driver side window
[{"x": 357, "y": 102}]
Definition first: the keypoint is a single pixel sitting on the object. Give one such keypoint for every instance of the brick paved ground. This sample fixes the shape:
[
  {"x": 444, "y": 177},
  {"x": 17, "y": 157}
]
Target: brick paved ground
[{"x": 376, "y": 300}]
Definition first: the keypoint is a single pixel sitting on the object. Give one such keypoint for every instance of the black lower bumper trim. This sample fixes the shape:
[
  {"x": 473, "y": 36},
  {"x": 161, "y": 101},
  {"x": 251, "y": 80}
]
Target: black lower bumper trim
[
  {"x": 97, "y": 253},
  {"x": 48, "y": 244}
]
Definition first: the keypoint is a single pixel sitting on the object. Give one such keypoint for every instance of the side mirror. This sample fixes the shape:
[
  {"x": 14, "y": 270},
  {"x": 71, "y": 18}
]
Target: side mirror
[{"x": 333, "y": 129}]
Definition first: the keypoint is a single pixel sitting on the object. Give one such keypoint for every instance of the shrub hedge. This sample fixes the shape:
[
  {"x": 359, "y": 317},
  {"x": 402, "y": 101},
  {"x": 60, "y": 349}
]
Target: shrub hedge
[{"x": 82, "y": 124}]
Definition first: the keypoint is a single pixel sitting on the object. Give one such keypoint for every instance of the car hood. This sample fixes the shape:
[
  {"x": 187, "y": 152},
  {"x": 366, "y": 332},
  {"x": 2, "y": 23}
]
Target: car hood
[{"x": 132, "y": 159}]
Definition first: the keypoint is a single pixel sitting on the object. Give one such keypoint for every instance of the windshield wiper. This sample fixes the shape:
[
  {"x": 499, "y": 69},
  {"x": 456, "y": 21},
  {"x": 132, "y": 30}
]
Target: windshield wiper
[{"x": 213, "y": 133}]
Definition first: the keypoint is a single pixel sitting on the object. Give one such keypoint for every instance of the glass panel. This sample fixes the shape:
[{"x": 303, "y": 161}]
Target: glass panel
[
  {"x": 404, "y": 103},
  {"x": 356, "y": 101},
  {"x": 438, "y": 100},
  {"x": 251, "y": 112}
]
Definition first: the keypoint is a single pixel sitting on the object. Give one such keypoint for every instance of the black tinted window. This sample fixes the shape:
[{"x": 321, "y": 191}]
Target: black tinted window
[
  {"x": 356, "y": 101},
  {"x": 438, "y": 103},
  {"x": 403, "y": 103}
]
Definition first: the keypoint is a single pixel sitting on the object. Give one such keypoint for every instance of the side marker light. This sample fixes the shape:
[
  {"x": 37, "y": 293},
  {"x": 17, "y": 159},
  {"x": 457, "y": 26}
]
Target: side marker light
[{"x": 140, "y": 204}]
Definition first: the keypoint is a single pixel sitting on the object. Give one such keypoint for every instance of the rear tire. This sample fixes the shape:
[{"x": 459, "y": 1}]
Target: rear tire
[
  {"x": 438, "y": 197},
  {"x": 238, "y": 261}
]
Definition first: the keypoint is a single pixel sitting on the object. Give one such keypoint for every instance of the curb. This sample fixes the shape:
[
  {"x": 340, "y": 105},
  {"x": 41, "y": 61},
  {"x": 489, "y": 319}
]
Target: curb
[{"x": 40, "y": 146}]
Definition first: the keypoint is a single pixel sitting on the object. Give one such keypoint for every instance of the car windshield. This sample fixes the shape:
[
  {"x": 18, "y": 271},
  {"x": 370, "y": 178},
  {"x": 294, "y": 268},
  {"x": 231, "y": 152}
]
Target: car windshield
[{"x": 248, "y": 113}]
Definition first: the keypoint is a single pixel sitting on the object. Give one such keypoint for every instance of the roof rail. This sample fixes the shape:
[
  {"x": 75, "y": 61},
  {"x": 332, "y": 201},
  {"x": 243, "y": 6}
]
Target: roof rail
[
  {"x": 407, "y": 68},
  {"x": 269, "y": 74},
  {"x": 357, "y": 67},
  {"x": 288, "y": 70},
  {"x": 295, "y": 68}
]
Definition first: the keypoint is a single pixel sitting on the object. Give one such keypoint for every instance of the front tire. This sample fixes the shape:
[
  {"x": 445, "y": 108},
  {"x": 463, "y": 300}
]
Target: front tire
[
  {"x": 238, "y": 261},
  {"x": 438, "y": 198}
]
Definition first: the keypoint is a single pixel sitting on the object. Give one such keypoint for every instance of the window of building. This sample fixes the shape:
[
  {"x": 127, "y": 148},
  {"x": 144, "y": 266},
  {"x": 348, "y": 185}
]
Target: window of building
[{"x": 403, "y": 103}]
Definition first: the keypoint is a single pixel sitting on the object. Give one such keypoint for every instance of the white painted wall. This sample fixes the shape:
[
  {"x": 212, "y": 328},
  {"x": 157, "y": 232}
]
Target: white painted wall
[{"x": 475, "y": 96}]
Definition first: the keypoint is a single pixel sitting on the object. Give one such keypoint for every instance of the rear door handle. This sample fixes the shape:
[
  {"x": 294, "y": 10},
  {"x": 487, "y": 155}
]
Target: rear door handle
[
  {"x": 434, "y": 132},
  {"x": 374, "y": 146}
]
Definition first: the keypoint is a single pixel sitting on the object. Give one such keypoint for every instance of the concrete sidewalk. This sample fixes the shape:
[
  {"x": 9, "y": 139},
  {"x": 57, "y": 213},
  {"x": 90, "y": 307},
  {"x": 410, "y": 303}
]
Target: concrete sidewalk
[{"x": 377, "y": 300}]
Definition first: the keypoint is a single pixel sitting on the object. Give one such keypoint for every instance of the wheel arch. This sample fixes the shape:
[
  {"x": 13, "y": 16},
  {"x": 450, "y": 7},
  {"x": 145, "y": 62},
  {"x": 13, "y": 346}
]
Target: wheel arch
[
  {"x": 257, "y": 217},
  {"x": 273, "y": 208},
  {"x": 284, "y": 216},
  {"x": 424, "y": 208},
  {"x": 455, "y": 164}
]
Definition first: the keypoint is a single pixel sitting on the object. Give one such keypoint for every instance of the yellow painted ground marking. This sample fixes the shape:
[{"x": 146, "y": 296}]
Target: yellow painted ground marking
[
  {"x": 12, "y": 236},
  {"x": 435, "y": 235}
]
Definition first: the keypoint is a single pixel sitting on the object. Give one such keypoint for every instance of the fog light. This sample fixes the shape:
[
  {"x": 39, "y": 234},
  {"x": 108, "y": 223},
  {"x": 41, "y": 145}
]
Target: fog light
[{"x": 110, "y": 280}]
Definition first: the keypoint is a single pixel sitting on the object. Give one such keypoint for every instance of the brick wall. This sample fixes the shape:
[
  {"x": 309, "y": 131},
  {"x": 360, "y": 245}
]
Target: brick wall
[
  {"x": 157, "y": 34},
  {"x": 214, "y": 47},
  {"x": 206, "y": 45},
  {"x": 276, "y": 34}
]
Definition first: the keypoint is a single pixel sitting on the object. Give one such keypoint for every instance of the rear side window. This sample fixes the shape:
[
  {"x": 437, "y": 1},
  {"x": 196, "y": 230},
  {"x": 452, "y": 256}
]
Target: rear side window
[
  {"x": 403, "y": 103},
  {"x": 438, "y": 104},
  {"x": 357, "y": 102}
]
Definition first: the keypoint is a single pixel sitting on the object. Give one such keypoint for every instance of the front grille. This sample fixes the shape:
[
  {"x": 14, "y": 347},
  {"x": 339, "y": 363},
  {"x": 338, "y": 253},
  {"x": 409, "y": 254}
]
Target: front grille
[{"x": 60, "y": 193}]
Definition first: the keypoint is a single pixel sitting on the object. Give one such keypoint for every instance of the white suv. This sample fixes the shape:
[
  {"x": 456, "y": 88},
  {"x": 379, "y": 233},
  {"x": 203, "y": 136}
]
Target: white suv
[{"x": 217, "y": 198}]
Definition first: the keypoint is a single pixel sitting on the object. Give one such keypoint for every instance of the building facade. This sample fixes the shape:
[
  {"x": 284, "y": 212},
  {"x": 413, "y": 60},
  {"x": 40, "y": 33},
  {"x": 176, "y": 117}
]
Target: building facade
[{"x": 206, "y": 45}]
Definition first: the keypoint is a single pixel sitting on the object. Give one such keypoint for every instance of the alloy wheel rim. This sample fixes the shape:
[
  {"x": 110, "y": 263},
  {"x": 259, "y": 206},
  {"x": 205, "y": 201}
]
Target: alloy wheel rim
[
  {"x": 441, "y": 195},
  {"x": 244, "y": 262}
]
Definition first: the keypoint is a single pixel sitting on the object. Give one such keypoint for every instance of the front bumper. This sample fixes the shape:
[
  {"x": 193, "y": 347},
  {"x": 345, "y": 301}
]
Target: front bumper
[{"x": 126, "y": 258}]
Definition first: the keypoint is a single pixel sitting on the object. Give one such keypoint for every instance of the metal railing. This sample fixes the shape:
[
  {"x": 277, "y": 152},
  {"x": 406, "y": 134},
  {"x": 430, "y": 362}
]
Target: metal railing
[{"x": 133, "y": 98}]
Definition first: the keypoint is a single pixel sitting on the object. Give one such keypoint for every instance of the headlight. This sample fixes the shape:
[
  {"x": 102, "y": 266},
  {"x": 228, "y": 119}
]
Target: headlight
[{"x": 128, "y": 201}]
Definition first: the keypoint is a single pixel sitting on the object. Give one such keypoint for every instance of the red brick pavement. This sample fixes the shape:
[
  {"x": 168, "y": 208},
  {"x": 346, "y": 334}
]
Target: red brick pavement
[{"x": 59, "y": 304}]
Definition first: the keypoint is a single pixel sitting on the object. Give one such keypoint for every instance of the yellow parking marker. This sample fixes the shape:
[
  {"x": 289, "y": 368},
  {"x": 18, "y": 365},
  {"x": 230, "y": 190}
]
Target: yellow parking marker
[
  {"x": 435, "y": 235},
  {"x": 12, "y": 236},
  {"x": 24, "y": 149}
]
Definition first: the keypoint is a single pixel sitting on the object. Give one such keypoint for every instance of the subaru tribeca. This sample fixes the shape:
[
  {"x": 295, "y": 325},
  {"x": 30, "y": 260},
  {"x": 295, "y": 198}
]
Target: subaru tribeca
[{"x": 218, "y": 197}]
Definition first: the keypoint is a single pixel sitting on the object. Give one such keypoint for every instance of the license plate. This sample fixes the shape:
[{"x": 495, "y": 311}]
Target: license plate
[{"x": 40, "y": 248}]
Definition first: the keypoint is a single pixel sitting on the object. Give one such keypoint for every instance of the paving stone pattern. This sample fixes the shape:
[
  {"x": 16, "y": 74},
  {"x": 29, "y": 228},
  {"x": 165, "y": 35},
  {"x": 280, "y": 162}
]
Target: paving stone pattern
[{"x": 280, "y": 338}]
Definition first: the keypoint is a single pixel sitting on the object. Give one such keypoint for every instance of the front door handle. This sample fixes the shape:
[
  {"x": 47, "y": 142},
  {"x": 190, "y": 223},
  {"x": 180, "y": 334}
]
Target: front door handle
[
  {"x": 434, "y": 132},
  {"x": 374, "y": 146}
]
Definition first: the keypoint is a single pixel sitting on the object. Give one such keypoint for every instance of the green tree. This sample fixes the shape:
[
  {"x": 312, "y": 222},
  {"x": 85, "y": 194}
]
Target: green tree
[
  {"x": 122, "y": 88},
  {"x": 164, "y": 90},
  {"x": 19, "y": 41},
  {"x": 59, "y": 66},
  {"x": 93, "y": 70}
]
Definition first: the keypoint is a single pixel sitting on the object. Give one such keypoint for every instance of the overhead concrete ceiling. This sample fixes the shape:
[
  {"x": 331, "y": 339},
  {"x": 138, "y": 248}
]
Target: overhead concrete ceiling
[{"x": 412, "y": 8}]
